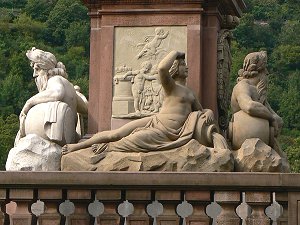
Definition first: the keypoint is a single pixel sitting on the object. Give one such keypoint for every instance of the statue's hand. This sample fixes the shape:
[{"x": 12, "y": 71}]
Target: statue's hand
[
  {"x": 22, "y": 118},
  {"x": 25, "y": 109},
  {"x": 276, "y": 128},
  {"x": 22, "y": 115},
  {"x": 279, "y": 121},
  {"x": 275, "y": 125},
  {"x": 64, "y": 150},
  {"x": 208, "y": 116}
]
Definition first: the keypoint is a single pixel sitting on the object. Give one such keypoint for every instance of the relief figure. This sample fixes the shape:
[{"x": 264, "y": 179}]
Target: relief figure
[
  {"x": 152, "y": 48},
  {"x": 138, "y": 82}
]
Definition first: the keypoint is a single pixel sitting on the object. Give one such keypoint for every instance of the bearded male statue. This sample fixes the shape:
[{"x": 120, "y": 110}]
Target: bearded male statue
[
  {"x": 253, "y": 118},
  {"x": 49, "y": 117}
]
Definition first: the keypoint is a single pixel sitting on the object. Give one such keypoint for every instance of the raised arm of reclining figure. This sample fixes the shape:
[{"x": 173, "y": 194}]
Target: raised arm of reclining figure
[{"x": 163, "y": 70}]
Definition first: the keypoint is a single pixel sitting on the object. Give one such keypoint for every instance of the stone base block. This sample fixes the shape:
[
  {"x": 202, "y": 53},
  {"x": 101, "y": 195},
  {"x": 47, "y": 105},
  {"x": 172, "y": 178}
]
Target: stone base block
[
  {"x": 190, "y": 157},
  {"x": 122, "y": 108}
]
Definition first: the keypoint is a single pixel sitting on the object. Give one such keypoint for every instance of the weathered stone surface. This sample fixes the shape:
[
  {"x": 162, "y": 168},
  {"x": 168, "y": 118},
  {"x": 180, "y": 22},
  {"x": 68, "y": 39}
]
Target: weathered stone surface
[
  {"x": 53, "y": 114},
  {"x": 34, "y": 153},
  {"x": 255, "y": 156},
  {"x": 253, "y": 116},
  {"x": 190, "y": 157}
]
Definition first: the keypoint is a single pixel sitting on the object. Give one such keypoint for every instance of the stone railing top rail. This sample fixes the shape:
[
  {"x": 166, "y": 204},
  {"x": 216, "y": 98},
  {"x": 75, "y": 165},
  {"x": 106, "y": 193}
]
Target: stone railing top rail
[{"x": 216, "y": 181}]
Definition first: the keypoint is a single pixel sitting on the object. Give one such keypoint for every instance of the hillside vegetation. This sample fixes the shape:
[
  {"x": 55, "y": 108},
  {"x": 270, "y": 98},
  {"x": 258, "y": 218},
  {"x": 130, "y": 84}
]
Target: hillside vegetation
[{"x": 62, "y": 27}]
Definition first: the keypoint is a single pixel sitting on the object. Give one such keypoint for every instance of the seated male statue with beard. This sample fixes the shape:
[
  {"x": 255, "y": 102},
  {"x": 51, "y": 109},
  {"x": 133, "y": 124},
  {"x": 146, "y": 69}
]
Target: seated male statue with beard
[
  {"x": 48, "y": 119},
  {"x": 175, "y": 139},
  {"x": 255, "y": 126}
]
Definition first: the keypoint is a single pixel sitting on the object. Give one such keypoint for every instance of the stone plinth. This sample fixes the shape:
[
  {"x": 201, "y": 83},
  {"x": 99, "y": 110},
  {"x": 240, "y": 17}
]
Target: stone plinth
[
  {"x": 202, "y": 19},
  {"x": 190, "y": 157}
]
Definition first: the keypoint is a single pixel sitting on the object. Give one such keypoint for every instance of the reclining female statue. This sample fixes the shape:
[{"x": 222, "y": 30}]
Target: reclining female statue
[{"x": 174, "y": 126}]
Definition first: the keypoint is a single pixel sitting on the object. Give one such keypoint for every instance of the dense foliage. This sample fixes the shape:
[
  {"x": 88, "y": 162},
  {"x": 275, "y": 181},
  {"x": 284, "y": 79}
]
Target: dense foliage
[{"x": 62, "y": 27}]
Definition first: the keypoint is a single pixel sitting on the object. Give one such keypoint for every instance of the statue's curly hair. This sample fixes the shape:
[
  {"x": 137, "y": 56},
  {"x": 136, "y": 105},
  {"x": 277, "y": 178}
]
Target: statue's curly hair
[
  {"x": 254, "y": 62},
  {"x": 60, "y": 69}
]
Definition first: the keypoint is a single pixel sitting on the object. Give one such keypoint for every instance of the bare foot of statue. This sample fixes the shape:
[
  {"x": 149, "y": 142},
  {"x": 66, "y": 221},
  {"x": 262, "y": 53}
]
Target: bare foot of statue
[
  {"x": 68, "y": 148},
  {"x": 99, "y": 148}
]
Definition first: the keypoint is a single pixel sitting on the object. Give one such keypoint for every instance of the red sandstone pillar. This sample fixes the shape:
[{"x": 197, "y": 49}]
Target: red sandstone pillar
[
  {"x": 52, "y": 199},
  {"x": 194, "y": 53},
  {"x": 2, "y": 202},
  {"x": 95, "y": 53},
  {"x": 105, "y": 82},
  {"x": 111, "y": 199},
  {"x": 23, "y": 198},
  {"x": 293, "y": 208},
  {"x": 282, "y": 199},
  {"x": 81, "y": 200},
  {"x": 199, "y": 201},
  {"x": 139, "y": 199},
  {"x": 211, "y": 26},
  {"x": 169, "y": 199},
  {"x": 228, "y": 200},
  {"x": 258, "y": 201}
]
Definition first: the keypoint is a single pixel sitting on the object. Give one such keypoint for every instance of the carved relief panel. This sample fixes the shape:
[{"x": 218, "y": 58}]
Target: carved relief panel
[{"x": 137, "y": 52}]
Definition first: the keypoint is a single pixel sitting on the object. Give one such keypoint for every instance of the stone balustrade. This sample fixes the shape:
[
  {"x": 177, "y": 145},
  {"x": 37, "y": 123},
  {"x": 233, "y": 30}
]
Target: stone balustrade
[{"x": 152, "y": 198}]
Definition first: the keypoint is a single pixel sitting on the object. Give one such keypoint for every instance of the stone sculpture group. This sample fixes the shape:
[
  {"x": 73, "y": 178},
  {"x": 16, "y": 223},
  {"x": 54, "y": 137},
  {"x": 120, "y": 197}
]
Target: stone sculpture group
[{"x": 179, "y": 136}]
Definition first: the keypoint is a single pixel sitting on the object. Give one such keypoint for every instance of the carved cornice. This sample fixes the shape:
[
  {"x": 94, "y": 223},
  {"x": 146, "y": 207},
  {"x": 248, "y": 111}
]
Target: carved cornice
[
  {"x": 222, "y": 7},
  {"x": 97, "y": 3},
  {"x": 227, "y": 7},
  {"x": 101, "y": 12}
]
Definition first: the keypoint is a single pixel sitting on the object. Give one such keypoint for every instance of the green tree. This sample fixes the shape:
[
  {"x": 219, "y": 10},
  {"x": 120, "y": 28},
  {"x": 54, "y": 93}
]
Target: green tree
[
  {"x": 61, "y": 17},
  {"x": 12, "y": 3},
  {"x": 39, "y": 9},
  {"x": 290, "y": 141},
  {"x": 25, "y": 25},
  {"x": 76, "y": 35},
  {"x": 290, "y": 102},
  {"x": 13, "y": 94},
  {"x": 76, "y": 62},
  {"x": 9, "y": 128}
]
